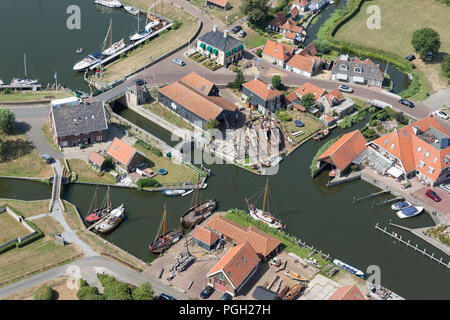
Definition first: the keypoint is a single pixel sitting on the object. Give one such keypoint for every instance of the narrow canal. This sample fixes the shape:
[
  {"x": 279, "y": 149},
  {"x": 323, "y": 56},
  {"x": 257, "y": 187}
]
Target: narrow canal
[{"x": 323, "y": 217}]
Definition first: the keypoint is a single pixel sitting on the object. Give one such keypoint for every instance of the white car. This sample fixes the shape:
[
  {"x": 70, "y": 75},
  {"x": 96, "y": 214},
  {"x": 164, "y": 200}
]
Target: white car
[
  {"x": 345, "y": 88},
  {"x": 441, "y": 114},
  {"x": 178, "y": 61}
]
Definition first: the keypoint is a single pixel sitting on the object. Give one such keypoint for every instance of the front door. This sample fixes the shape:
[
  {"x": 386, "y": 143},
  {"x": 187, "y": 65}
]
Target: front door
[{"x": 220, "y": 285}]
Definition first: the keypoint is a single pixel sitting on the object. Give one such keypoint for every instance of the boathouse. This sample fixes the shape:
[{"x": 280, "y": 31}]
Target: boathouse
[
  {"x": 78, "y": 124},
  {"x": 205, "y": 238},
  {"x": 234, "y": 270},
  {"x": 125, "y": 156}
]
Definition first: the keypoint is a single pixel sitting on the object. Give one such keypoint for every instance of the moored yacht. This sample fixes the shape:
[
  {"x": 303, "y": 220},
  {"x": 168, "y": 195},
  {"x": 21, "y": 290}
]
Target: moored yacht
[
  {"x": 90, "y": 60},
  {"x": 409, "y": 212},
  {"x": 131, "y": 10},
  {"x": 109, "y": 3},
  {"x": 348, "y": 268},
  {"x": 400, "y": 205}
]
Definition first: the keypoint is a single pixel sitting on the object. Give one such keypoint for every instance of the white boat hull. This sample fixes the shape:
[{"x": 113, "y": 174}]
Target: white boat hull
[
  {"x": 131, "y": 10},
  {"x": 394, "y": 207},
  {"x": 401, "y": 215},
  {"x": 258, "y": 215},
  {"x": 109, "y": 3},
  {"x": 85, "y": 63},
  {"x": 348, "y": 268},
  {"x": 139, "y": 35},
  {"x": 116, "y": 47}
]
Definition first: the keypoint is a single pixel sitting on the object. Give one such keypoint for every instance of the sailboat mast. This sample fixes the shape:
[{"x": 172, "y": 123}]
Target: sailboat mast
[
  {"x": 265, "y": 194},
  {"x": 110, "y": 33},
  {"x": 164, "y": 229},
  {"x": 196, "y": 196},
  {"x": 25, "y": 64},
  {"x": 96, "y": 193}
]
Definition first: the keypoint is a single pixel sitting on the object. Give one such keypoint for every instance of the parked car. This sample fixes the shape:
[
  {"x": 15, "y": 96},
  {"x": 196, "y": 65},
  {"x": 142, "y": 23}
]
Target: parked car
[
  {"x": 407, "y": 103},
  {"x": 206, "y": 292},
  {"x": 429, "y": 56},
  {"x": 178, "y": 61},
  {"x": 164, "y": 296},
  {"x": 139, "y": 82},
  {"x": 226, "y": 296},
  {"x": 411, "y": 57},
  {"x": 445, "y": 187},
  {"x": 344, "y": 88},
  {"x": 433, "y": 195},
  {"x": 236, "y": 29},
  {"x": 47, "y": 158},
  {"x": 441, "y": 114},
  {"x": 242, "y": 34}
]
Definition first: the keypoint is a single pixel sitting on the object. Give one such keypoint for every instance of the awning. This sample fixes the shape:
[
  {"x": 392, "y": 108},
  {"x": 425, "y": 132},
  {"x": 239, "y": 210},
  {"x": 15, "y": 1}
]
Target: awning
[
  {"x": 202, "y": 45},
  {"x": 395, "y": 172},
  {"x": 358, "y": 79},
  {"x": 341, "y": 76},
  {"x": 235, "y": 50},
  {"x": 208, "y": 48},
  {"x": 228, "y": 53},
  {"x": 215, "y": 51},
  {"x": 241, "y": 47}
]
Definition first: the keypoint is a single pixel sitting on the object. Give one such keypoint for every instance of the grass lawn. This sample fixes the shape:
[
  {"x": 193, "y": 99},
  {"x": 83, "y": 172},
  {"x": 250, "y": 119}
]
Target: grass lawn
[
  {"x": 26, "y": 208},
  {"x": 177, "y": 173},
  {"x": 168, "y": 115},
  {"x": 397, "y": 29},
  {"x": 253, "y": 39},
  {"x": 86, "y": 174},
  {"x": 48, "y": 225},
  {"x": 234, "y": 13},
  {"x": 27, "y": 95},
  {"x": 10, "y": 228},
  {"x": 72, "y": 217},
  {"x": 156, "y": 47},
  {"x": 310, "y": 127},
  {"x": 19, "y": 158},
  {"x": 47, "y": 133}
]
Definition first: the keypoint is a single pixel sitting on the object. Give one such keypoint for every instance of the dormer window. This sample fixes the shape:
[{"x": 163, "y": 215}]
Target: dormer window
[
  {"x": 343, "y": 67},
  {"x": 386, "y": 141},
  {"x": 421, "y": 164},
  {"x": 427, "y": 154},
  {"x": 435, "y": 159},
  {"x": 430, "y": 169},
  {"x": 358, "y": 69},
  {"x": 419, "y": 149},
  {"x": 392, "y": 145}
]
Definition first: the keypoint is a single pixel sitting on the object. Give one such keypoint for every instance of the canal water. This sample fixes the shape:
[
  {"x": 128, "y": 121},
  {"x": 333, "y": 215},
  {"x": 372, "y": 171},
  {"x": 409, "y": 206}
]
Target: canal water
[
  {"x": 323, "y": 217},
  {"x": 38, "y": 28},
  {"x": 399, "y": 79}
]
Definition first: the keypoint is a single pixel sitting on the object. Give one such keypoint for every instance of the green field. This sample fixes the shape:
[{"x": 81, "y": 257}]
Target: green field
[
  {"x": 168, "y": 115},
  {"x": 86, "y": 174},
  {"x": 234, "y": 13},
  {"x": 26, "y": 208},
  {"x": 10, "y": 228}
]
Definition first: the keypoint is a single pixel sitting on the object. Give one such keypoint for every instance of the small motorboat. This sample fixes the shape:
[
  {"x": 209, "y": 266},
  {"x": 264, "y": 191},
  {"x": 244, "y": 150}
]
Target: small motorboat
[
  {"x": 410, "y": 76},
  {"x": 88, "y": 62},
  {"x": 409, "y": 212},
  {"x": 332, "y": 173},
  {"x": 131, "y": 10},
  {"x": 378, "y": 292},
  {"x": 294, "y": 275},
  {"x": 348, "y": 268},
  {"x": 173, "y": 193},
  {"x": 400, "y": 205},
  {"x": 109, "y": 3},
  {"x": 79, "y": 50}
]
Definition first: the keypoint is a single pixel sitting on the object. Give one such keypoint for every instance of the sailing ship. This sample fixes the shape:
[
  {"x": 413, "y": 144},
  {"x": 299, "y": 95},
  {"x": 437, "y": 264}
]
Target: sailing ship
[
  {"x": 166, "y": 239},
  {"x": 99, "y": 212},
  {"x": 294, "y": 292},
  {"x": 109, "y": 3},
  {"x": 90, "y": 60},
  {"x": 140, "y": 33},
  {"x": 115, "y": 218},
  {"x": 113, "y": 47},
  {"x": 131, "y": 10},
  {"x": 198, "y": 212},
  {"x": 378, "y": 292},
  {"x": 409, "y": 212},
  {"x": 294, "y": 275},
  {"x": 24, "y": 81},
  {"x": 348, "y": 268},
  {"x": 261, "y": 215}
]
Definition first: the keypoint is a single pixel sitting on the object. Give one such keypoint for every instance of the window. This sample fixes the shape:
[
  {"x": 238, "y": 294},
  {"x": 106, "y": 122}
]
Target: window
[
  {"x": 99, "y": 138},
  {"x": 427, "y": 154},
  {"x": 221, "y": 276},
  {"x": 243, "y": 259},
  {"x": 64, "y": 143},
  {"x": 386, "y": 141},
  {"x": 422, "y": 164},
  {"x": 358, "y": 69},
  {"x": 419, "y": 149},
  {"x": 343, "y": 67},
  {"x": 392, "y": 145},
  {"x": 430, "y": 169},
  {"x": 230, "y": 274},
  {"x": 435, "y": 159}
]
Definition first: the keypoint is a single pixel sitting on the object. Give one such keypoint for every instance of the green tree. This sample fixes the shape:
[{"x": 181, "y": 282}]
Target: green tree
[
  {"x": 212, "y": 124},
  {"x": 445, "y": 65},
  {"x": 255, "y": 10},
  {"x": 259, "y": 52},
  {"x": 117, "y": 291},
  {"x": 308, "y": 100},
  {"x": 144, "y": 292},
  {"x": 7, "y": 118},
  {"x": 424, "y": 40},
  {"x": 89, "y": 293},
  {"x": 147, "y": 183},
  {"x": 108, "y": 163},
  {"x": 44, "y": 293},
  {"x": 238, "y": 80},
  {"x": 276, "y": 82},
  {"x": 322, "y": 46}
]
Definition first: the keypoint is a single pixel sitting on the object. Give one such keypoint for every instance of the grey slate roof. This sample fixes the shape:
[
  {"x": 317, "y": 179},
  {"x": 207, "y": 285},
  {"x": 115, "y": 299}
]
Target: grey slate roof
[
  {"x": 262, "y": 293},
  {"x": 79, "y": 119},
  {"x": 217, "y": 40},
  {"x": 369, "y": 71}
]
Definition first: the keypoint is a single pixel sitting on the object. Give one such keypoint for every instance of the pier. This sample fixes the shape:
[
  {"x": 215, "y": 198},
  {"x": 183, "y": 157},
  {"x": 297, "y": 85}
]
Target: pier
[
  {"x": 398, "y": 237},
  {"x": 355, "y": 200},
  {"x": 386, "y": 202},
  {"x": 33, "y": 87}
]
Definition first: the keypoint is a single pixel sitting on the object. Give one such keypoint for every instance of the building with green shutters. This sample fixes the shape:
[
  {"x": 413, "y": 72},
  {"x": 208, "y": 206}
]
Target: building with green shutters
[{"x": 220, "y": 47}]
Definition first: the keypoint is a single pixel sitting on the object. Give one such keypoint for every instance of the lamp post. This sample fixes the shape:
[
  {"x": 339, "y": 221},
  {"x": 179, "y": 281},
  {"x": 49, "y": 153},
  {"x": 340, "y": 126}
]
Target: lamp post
[{"x": 105, "y": 245}]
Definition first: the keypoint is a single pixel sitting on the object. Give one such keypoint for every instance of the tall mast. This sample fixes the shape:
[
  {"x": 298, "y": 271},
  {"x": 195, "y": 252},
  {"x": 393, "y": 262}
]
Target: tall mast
[
  {"x": 265, "y": 194},
  {"x": 139, "y": 13},
  {"x": 108, "y": 200},
  {"x": 110, "y": 33},
  {"x": 96, "y": 193},
  {"x": 196, "y": 194},
  {"x": 25, "y": 63},
  {"x": 164, "y": 229}
]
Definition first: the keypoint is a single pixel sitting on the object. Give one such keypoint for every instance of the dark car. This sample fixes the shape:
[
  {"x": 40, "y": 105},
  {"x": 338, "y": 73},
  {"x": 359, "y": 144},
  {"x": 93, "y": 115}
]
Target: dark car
[
  {"x": 407, "y": 103},
  {"x": 226, "y": 296},
  {"x": 236, "y": 29},
  {"x": 164, "y": 296},
  {"x": 206, "y": 292},
  {"x": 429, "y": 56},
  {"x": 47, "y": 158},
  {"x": 139, "y": 82},
  {"x": 433, "y": 195},
  {"x": 411, "y": 57}
]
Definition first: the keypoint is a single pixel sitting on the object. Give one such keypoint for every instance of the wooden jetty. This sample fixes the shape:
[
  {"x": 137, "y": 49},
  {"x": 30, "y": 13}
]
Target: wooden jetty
[
  {"x": 98, "y": 222},
  {"x": 386, "y": 202},
  {"x": 32, "y": 87},
  {"x": 355, "y": 200},
  {"x": 398, "y": 237}
]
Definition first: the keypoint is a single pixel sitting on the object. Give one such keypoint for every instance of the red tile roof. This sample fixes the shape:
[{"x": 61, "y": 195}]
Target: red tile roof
[
  {"x": 309, "y": 50},
  {"x": 205, "y": 235},
  {"x": 262, "y": 89},
  {"x": 304, "y": 63},
  {"x": 96, "y": 158},
  {"x": 197, "y": 82},
  {"x": 345, "y": 150},
  {"x": 310, "y": 88},
  {"x": 334, "y": 96},
  {"x": 277, "y": 50},
  {"x": 263, "y": 243},
  {"x": 222, "y": 3},
  {"x": 291, "y": 97},
  {"x": 237, "y": 264},
  {"x": 294, "y": 12},
  {"x": 350, "y": 292},
  {"x": 278, "y": 20},
  {"x": 120, "y": 151},
  {"x": 291, "y": 25},
  {"x": 301, "y": 3}
]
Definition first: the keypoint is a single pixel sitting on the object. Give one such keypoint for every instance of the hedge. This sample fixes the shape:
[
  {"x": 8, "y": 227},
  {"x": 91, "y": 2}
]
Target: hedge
[
  {"x": 39, "y": 234},
  {"x": 8, "y": 247},
  {"x": 150, "y": 148}
]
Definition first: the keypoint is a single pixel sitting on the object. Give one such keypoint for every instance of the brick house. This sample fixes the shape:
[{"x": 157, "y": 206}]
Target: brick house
[
  {"x": 205, "y": 238},
  {"x": 221, "y": 4},
  {"x": 78, "y": 124},
  {"x": 234, "y": 270},
  {"x": 262, "y": 95},
  {"x": 125, "y": 156},
  {"x": 277, "y": 53}
]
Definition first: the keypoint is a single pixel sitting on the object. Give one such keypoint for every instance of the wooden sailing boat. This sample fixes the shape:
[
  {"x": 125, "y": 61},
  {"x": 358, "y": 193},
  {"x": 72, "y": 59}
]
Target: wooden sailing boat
[
  {"x": 98, "y": 213},
  {"x": 261, "y": 215},
  {"x": 294, "y": 292},
  {"x": 113, "y": 48},
  {"x": 166, "y": 239},
  {"x": 114, "y": 219},
  {"x": 198, "y": 212},
  {"x": 294, "y": 275}
]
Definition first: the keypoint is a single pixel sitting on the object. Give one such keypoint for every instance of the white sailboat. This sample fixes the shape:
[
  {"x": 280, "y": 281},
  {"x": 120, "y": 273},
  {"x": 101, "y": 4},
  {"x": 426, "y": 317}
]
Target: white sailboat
[
  {"x": 113, "y": 47},
  {"x": 140, "y": 33},
  {"x": 24, "y": 81},
  {"x": 109, "y": 3},
  {"x": 90, "y": 60}
]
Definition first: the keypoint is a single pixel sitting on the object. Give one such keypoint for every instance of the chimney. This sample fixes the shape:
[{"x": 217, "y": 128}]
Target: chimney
[
  {"x": 416, "y": 130},
  {"x": 256, "y": 77},
  {"x": 225, "y": 33},
  {"x": 269, "y": 86},
  {"x": 215, "y": 28}
]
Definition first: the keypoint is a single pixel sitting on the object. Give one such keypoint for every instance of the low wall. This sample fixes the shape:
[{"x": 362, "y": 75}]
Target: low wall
[{"x": 22, "y": 221}]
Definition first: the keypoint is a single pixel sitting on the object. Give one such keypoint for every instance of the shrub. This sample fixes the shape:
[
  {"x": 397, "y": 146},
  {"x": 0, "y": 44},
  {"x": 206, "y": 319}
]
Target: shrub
[
  {"x": 143, "y": 292},
  {"x": 89, "y": 293},
  {"x": 445, "y": 65},
  {"x": 82, "y": 283},
  {"x": 276, "y": 82},
  {"x": 7, "y": 118},
  {"x": 322, "y": 46},
  {"x": 44, "y": 293},
  {"x": 259, "y": 52},
  {"x": 150, "y": 148},
  {"x": 39, "y": 234},
  {"x": 373, "y": 123},
  {"x": 8, "y": 247},
  {"x": 283, "y": 115},
  {"x": 383, "y": 116},
  {"x": 147, "y": 183},
  {"x": 176, "y": 24},
  {"x": 117, "y": 291}
]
